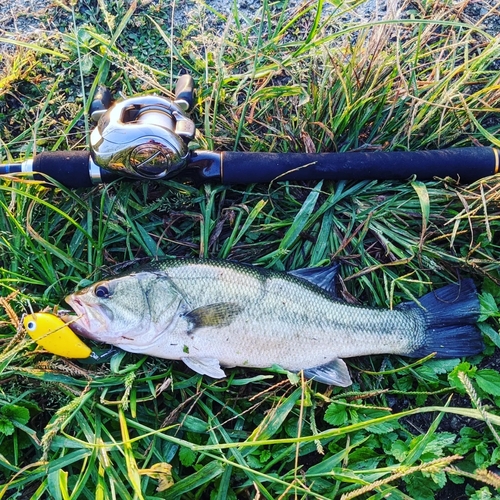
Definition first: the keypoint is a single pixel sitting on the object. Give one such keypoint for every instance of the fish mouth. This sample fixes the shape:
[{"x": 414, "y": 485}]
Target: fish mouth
[{"x": 84, "y": 323}]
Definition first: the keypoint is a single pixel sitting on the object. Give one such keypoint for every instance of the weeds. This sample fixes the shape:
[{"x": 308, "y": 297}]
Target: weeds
[{"x": 282, "y": 79}]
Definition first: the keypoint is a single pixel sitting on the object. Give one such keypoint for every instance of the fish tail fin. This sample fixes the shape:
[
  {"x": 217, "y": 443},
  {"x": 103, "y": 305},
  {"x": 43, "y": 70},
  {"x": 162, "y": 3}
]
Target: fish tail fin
[{"x": 451, "y": 314}]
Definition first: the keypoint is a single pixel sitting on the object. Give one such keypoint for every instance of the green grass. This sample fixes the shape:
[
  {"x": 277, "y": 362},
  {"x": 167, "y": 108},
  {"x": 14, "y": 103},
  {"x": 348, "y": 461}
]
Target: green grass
[{"x": 285, "y": 80}]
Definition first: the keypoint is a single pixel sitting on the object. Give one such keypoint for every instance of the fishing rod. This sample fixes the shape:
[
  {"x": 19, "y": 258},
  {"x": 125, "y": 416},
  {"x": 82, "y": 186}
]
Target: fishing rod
[{"x": 147, "y": 138}]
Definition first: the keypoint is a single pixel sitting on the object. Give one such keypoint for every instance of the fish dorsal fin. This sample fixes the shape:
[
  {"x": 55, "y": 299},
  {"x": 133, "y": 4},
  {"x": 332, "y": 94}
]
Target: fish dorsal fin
[
  {"x": 324, "y": 277},
  {"x": 216, "y": 315},
  {"x": 333, "y": 373},
  {"x": 205, "y": 366}
]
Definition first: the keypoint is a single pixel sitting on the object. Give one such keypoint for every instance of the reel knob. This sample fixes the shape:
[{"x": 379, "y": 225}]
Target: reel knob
[{"x": 144, "y": 137}]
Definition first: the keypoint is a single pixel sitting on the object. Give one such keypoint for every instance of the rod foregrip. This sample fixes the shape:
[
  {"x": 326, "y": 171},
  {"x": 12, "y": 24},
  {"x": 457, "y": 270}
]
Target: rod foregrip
[
  {"x": 70, "y": 168},
  {"x": 463, "y": 164},
  {"x": 73, "y": 169}
]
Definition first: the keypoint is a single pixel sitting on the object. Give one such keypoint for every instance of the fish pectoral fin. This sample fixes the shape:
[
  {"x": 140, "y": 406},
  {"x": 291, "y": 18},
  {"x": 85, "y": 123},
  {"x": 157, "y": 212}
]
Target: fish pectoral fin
[
  {"x": 333, "y": 373},
  {"x": 205, "y": 366},
  {"x": 216, "y": 315}
]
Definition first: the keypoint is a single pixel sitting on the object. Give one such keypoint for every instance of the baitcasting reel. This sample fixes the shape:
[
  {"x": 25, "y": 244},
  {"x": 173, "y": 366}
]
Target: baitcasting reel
[{"x": 144, "y": 136}]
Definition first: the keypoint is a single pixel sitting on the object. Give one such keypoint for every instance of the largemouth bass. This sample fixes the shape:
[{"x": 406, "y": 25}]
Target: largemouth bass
[{"x": 216, "y": 313}]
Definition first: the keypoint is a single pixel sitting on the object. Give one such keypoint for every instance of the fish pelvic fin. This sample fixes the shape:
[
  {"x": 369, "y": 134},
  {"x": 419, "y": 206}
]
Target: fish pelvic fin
[
  {"x": 205, "y": 366},
  {"x": 216, "y": 315},
  {"x": 333, "y": 373},
  {"x": 450, "y": 314}
]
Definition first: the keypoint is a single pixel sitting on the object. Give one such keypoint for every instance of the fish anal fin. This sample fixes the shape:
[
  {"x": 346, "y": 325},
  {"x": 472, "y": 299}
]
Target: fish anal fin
[
  {"x": 216, "y": 315},
  {"x": 205, "y": 366},
  {"x": 333, "y": 373}
]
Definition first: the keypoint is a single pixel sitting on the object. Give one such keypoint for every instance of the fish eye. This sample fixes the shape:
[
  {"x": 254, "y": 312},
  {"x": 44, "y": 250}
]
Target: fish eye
[
  {"x": 31, "y": 325},
  {"x": 102, "y": 291}
]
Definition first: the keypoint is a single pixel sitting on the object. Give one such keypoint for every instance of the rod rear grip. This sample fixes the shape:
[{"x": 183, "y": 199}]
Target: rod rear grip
[{"x": 463, "y": 164}]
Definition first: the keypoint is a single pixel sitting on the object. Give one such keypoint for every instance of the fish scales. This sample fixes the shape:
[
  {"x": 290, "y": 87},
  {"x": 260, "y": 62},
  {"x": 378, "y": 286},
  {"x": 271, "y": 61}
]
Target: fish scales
[
  {"x": 284, "y": 319},
  {"x": 212, "y": 313}
]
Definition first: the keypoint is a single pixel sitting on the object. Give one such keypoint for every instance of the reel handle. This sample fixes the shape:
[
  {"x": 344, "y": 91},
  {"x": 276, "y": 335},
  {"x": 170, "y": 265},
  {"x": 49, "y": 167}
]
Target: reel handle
[
  {"x": 101, "y": 103},
  {"x": 184, "y": 92}
]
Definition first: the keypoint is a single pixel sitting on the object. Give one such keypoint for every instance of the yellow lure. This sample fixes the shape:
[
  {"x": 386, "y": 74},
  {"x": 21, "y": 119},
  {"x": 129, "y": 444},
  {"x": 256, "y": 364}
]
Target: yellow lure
[{"x": 53, "y": 334}]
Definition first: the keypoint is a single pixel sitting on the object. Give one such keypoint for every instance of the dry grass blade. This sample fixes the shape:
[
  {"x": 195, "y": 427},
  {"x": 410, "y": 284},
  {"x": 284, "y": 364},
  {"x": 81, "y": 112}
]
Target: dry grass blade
[{"x": 432, "y": 466}]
